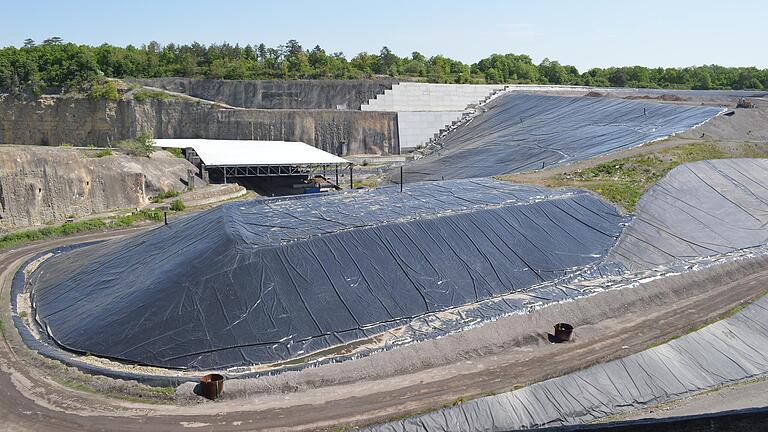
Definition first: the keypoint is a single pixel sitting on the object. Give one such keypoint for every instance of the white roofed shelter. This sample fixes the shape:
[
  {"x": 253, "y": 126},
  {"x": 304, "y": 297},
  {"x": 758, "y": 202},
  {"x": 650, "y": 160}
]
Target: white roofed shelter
[{"x": 245, "y": 158}]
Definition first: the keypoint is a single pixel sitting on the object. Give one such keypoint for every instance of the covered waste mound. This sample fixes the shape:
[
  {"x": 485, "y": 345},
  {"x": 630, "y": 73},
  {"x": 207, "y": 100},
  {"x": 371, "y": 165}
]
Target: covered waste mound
[
  {"x": 521, "y": 132},
  {"x": 275, "y": 279},
  {"x": 698, "y": 209}
]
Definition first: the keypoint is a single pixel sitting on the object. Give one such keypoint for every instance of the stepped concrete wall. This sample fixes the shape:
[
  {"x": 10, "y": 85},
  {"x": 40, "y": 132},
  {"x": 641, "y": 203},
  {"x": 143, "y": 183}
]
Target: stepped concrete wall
[
  {"x": 424, "y": 109},
  {"x": 416, "y": 128},
  {"x": 430, "y": 97}
]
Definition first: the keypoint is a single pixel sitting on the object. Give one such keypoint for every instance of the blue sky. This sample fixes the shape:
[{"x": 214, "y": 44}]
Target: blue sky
[{"x": 583, "y": 33}]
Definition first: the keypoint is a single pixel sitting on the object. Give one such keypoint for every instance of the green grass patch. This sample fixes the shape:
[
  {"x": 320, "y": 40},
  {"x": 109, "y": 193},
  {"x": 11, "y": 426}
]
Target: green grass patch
[
  {"x": 623, "y": 181},
  {"x": 139, "y": 216},
  {"x": 625, "y": 194},
  {"x": 155, "y": 395},
  {"x": 175, "y": 151},
  {"x": 146, "y": 94},
  {"x": 165, "y": 195},
  {"x": 103, "y": 153},
  {"x": 178, "y": 205},
  {"x": 71, "y": 228},
  {"x": 75, "y": 385}
]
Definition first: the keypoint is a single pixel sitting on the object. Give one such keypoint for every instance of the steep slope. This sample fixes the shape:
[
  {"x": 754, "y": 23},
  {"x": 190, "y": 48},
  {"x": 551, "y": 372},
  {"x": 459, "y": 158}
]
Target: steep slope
[
  {"x": 520, "y": 132},
  {"x": 698, "y": 209},
  {"x": 50, "y": 184}
]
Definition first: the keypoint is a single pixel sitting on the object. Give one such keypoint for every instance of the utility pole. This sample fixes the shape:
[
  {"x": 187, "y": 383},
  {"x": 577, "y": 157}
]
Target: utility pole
[
  {"x": 401, "y": 179},
  {"x": 351, "y": 183}
]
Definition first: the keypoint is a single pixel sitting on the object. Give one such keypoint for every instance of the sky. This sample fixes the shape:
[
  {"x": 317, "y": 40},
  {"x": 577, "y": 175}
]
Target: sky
[{"x": 581, "y": 33}]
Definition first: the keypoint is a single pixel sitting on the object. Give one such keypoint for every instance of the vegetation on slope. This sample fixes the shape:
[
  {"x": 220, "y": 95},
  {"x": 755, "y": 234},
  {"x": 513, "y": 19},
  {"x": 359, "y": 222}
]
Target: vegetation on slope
[
  {"x": 55, "y": 66},
  {"x": 71, "y": 228},
  {"x": 623, "y": 181}
]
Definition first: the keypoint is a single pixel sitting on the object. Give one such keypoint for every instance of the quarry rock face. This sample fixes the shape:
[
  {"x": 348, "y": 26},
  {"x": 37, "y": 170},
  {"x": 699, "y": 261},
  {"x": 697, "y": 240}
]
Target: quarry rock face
[
  {"x": 81, "y": 121},
  {"x": 39, "y": 185},
  {"x": 277, "y": 94}
]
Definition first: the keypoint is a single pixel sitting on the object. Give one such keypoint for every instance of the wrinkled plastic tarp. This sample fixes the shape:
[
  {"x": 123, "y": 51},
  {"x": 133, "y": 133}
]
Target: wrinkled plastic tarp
[
  {"x": 269, "y": 280},
  {"x": 698, "y": 209},
  {"x": 727, "y": 351},
  {"x": 523, "y": 132}
]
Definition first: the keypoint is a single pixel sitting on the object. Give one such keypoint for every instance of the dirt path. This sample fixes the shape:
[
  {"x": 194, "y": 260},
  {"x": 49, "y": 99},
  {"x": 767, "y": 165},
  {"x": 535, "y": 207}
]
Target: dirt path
[
  {"x": 191, "y": 98},
  {"x": 30, "y": 400}
]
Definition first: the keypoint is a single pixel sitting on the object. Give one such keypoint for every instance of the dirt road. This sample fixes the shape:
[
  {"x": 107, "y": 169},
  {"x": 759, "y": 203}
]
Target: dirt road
[{"x": 32, "y": 400}]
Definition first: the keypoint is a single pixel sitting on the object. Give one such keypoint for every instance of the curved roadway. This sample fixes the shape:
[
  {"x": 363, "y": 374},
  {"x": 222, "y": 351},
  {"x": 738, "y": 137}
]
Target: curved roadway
[{"x": 32, "y": 400}]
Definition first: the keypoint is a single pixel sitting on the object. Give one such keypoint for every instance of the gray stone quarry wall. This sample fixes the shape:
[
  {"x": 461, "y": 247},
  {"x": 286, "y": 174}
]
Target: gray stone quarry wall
[
  {"x": 55, "y": 120},
  {"x": 45, "y": 184},
  {"x": 277, "y": 94}
]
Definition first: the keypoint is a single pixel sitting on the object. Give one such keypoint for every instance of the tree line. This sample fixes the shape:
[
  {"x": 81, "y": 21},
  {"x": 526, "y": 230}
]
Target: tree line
[{"x": 54, "y": 66}]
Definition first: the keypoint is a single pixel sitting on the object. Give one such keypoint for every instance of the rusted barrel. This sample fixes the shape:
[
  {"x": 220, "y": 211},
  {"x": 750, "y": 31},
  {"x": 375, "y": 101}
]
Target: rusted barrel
[
  {"x": 563, "y": 332},
  {"x": 212, "y": 385}
]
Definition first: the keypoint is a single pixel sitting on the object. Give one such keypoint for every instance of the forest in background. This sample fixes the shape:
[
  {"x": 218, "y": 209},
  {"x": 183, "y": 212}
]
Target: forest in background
[{"x": 54, "y": 66}]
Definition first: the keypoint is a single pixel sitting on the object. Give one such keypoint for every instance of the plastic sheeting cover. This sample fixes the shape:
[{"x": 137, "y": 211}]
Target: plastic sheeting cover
[
  {"x": 724, "y": 352},
  {"x": 698, "y": 209},
  {"x": 268, "y": 280},
  {"x": 521, "y": 132}
]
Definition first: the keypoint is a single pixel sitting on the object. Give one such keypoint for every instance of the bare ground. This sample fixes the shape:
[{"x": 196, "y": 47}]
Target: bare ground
[{"x": 498, "y": 357}]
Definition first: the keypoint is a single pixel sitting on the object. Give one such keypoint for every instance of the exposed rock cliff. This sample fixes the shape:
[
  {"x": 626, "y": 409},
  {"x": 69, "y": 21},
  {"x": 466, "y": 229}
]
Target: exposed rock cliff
[
  {"x": 77, "y": 120},
  {"x": 47, "y": 184},
  {"x": 269, "y": 94}
]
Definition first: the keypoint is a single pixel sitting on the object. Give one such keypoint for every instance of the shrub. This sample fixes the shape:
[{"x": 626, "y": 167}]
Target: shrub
[
  {"x": 139, "y": 216},
  {"x": 104, "y": 90},
  {"x": 143, "y": 145},
  {"x": 165, "y": 195},
  {"x": 143, "y": 95},
  {"x": 103, "y": 153},
  {"x": 178, "y": 205},
  {"x": 175, "y": 151}
]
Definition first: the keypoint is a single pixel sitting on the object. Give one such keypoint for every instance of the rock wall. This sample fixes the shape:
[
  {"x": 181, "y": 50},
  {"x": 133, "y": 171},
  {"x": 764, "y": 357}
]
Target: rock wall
[
  {"x": 46, "y": 184},
  {"x": 284, "y": 94},
  {"x": 56, "y": 120}
]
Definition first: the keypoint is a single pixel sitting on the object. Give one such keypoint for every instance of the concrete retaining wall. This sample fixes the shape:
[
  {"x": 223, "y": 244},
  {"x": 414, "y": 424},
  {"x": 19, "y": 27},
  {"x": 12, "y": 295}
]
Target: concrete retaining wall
[
  {"x": 416, "y": 128},
  {"x": 430, "y": 97},
  {"x": 424, "y": 109}
]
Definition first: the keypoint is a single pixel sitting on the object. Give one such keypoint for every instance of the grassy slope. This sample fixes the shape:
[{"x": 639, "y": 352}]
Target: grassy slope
[
  {"x": 623, "y": 181},
  {"x": 21, "y": 237}
]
